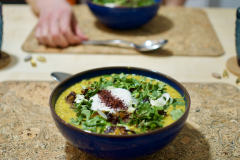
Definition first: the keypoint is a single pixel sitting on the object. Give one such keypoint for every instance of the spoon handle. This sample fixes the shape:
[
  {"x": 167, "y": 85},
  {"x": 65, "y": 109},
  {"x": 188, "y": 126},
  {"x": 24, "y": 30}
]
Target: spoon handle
[
  {"x": 115, "y": 41},
  {"x": 60, "y": 76}
]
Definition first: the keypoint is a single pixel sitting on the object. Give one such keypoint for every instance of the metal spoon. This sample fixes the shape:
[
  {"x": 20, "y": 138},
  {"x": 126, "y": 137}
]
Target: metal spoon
[
  {"x": 60, "y": 76},
  {"x": 145, "y": 47}
]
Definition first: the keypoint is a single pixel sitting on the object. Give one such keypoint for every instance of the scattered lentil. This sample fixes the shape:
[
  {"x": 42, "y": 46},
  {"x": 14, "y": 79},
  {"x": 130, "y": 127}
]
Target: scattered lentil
[
  {"x": 33, "y": 63},
  {"x": 41, "y": 59},
  {"x": 27, "y": 58},
  {"x": 238, "y": 81},
  {"x": 225, "y": 74},
  {"x": 216, "y": 75}
]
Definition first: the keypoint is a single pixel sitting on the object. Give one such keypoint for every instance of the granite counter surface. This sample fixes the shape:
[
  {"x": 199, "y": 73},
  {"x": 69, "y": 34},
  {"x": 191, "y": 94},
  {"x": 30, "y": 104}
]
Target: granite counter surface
[{"x": 28, "y": 132}]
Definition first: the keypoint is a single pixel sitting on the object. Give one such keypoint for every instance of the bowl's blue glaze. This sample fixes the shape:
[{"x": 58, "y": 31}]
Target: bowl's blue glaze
[
  {"x": 124, "y": 18},
  {"x": 120, "y": 146}
]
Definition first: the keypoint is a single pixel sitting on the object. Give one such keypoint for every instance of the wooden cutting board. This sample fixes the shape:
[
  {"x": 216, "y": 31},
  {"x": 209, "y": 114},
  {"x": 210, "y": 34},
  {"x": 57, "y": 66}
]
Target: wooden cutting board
[
  {"x": 188, "y": 31},
  {"x": 28, "y": 131}
]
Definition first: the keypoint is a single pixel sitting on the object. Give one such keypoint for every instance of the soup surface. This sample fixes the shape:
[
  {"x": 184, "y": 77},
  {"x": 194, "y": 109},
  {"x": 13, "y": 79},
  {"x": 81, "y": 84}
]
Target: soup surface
[
  {"x": 120, "y": 104},
  {"x": 124, "y": 3}
]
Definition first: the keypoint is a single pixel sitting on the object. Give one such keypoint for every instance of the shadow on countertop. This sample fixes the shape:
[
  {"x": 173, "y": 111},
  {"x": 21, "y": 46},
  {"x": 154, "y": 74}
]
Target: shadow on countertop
[{"x": 158, "y": 24}]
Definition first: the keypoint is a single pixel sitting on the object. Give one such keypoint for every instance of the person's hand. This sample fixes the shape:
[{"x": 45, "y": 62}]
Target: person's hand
[{"x": 57, "y": 26}]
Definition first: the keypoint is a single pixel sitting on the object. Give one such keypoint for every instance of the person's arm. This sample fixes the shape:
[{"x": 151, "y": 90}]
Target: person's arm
[
  {"x": 174, "y": 2},
  {"x": 57, "y": 25}
]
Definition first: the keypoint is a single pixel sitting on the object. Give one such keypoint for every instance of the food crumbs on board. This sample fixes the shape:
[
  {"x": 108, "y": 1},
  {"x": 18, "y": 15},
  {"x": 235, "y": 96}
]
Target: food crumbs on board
[
  {"x": 238, "y": 81},
  {"x": 216, "y": 75},
  {"x": 33, "y": 63},
  {"x": 225, "y": 74},
  {"x": 41, "y": 59},
  {"x": 27, "y": 58}
]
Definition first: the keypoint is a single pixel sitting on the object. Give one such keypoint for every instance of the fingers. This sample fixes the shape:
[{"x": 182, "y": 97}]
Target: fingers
[
  {"x": 66, "y": 29},
  {"x": 42, "y": 34},
  {"x": 59, "y": 29},
  {"x": 38, "y": 35},
  {"x": 78, "y": 31},
  {"x": 55, "y": 33},
  {"x": 45, "y": 36},
  {"x": 48, "y": 33}
]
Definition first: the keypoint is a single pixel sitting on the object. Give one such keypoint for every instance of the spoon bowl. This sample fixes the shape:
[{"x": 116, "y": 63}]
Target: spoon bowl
[
  {"x": 147, "y": 46},
  {"x": 151, "y": 45}
]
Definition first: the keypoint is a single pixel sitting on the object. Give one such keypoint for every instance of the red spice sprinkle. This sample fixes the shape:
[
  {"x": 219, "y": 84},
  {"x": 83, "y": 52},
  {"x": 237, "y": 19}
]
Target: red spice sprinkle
[{"x": 111, "y": 101}]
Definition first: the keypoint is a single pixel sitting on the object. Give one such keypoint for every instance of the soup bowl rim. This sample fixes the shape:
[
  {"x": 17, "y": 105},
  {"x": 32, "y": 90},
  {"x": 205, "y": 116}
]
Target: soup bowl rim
[{"x": 124, "y": 7}]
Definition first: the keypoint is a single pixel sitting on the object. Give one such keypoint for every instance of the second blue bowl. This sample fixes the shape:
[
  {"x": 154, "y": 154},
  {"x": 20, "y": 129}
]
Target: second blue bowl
[{"x": 124, "y": 17}]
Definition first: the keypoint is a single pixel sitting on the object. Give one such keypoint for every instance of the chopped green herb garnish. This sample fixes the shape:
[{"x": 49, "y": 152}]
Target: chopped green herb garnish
[
  {"x": 176, "y": 113},
  {"x": 150, "y": 102}
]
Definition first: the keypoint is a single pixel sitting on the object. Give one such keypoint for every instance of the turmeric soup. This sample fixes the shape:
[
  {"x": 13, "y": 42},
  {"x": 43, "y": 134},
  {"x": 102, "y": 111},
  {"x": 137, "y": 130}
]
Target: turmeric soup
[{"x": 120, "y": 104}]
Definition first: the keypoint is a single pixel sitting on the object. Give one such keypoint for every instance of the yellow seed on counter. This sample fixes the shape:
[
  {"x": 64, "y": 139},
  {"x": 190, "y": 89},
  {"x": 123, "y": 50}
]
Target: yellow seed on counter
[
  {"x": 33, "y": 63},
  {"x": 238, "y": 81},
  {"x": 225, "y": 74},
  {"x": 41, "y": 59}
]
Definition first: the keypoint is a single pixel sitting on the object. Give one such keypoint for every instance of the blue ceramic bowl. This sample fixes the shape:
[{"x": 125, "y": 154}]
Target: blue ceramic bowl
[
  {"x": 124, "y": 17},
  {"x": 119, "y": 146}
]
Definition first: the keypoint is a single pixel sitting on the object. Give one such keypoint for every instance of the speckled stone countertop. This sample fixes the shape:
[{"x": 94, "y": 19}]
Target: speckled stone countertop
[{"x": 28, "y": 132}]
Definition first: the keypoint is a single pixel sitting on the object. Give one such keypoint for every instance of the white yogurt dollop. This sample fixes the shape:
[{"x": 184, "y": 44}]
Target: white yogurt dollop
[
  {"x": 160, "y": 102},
  {"x": 123, "y": 94}
]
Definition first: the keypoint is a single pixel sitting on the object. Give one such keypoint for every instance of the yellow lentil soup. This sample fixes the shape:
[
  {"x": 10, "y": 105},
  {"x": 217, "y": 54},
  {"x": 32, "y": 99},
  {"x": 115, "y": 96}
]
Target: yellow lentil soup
[{"x": 120, "y": 104}]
